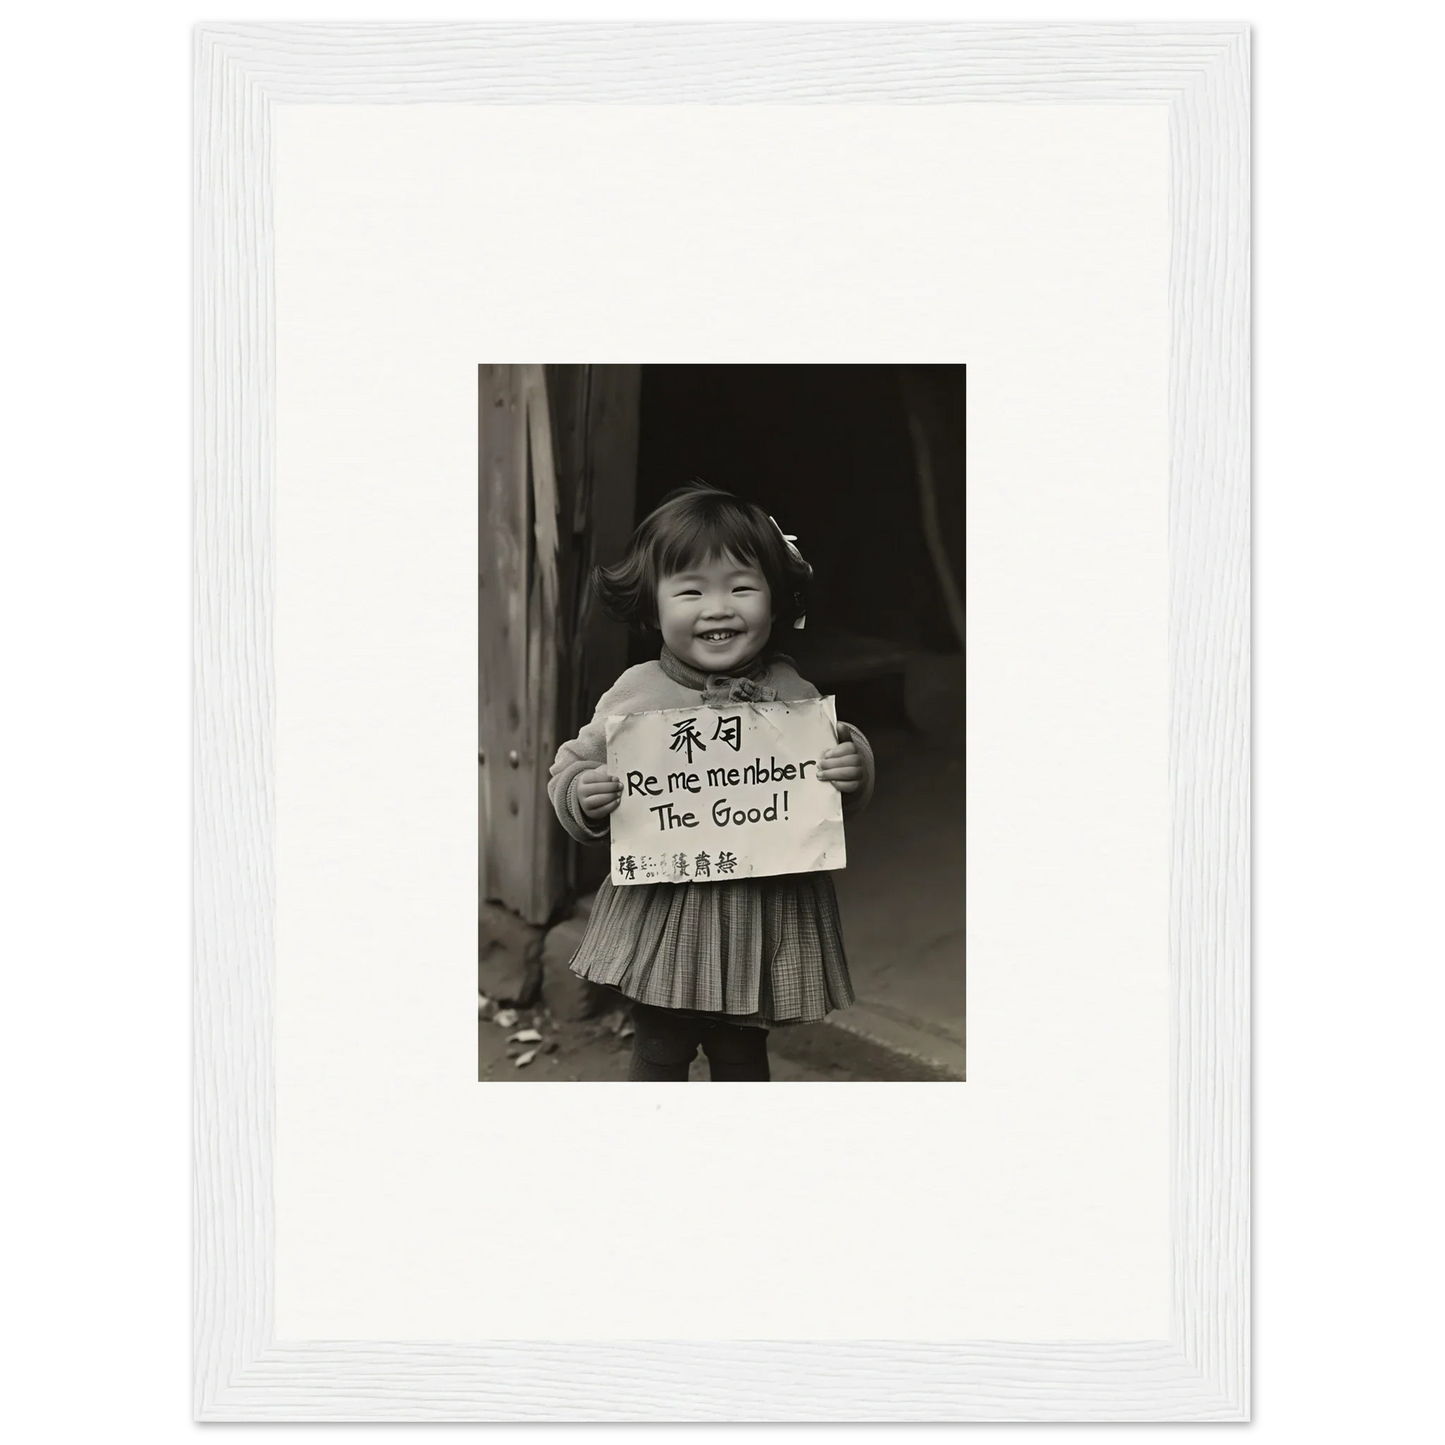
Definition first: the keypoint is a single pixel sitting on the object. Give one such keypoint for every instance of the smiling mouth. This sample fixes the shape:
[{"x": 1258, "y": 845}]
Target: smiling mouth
[{"x": 720, "y": 634}]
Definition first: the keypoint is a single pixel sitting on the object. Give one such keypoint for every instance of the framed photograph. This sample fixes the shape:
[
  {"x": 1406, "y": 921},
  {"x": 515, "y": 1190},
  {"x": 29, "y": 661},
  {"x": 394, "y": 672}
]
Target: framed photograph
[
  {"x": 717, "y": 883},
  {"x": 722, "y": 555}
]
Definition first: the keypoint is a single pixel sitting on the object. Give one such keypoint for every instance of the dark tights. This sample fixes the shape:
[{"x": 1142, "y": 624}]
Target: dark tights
[{"x": 666, "y": 1042}]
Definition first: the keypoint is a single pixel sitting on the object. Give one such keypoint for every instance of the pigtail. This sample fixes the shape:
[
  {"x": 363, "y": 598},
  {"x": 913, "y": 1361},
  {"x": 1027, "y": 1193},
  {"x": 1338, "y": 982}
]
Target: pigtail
[
  {"x": 624, "y": 591},
  {"x": 802, "y": 575}
]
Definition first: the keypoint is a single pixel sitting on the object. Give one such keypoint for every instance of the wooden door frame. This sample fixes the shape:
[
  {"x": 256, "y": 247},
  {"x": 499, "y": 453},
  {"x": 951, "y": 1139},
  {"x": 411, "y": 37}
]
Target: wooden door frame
[{"x": 557, "y": 450}]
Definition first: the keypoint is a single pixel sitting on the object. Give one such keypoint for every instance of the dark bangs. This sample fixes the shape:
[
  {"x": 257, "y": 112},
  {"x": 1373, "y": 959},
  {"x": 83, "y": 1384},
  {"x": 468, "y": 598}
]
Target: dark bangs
[{"x": 693, "y": 525}]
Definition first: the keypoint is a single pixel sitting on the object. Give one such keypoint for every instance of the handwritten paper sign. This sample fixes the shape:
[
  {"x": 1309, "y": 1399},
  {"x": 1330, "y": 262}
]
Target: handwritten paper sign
[{"x": 725, "y": 792}]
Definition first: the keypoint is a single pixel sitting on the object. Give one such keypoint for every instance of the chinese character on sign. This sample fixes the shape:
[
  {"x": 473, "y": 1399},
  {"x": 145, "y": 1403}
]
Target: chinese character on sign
[
  {"x": 702, "y": 867},
  {"x": 685, "y": 736},
  {"x": 726, "y": 863},
  {"x": 679, "y": 864},
  {"x": 730, "y": 730},
  {"x": 627, "y": 867}
]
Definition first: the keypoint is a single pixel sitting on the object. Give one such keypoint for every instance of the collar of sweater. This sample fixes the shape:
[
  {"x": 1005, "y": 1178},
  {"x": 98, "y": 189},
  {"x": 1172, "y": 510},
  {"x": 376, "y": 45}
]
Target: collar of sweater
[{"x": 687, "y": 676}]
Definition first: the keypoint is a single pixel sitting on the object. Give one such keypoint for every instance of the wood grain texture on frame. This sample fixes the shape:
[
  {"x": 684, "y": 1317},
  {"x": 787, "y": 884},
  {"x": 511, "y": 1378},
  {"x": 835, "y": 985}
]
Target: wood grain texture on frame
[{"x": 1201, "y": 73}]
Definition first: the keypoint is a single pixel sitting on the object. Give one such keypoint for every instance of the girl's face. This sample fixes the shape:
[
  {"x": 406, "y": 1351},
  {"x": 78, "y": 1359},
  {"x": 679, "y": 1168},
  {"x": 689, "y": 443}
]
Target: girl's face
[{"x": 715, "y": 615}]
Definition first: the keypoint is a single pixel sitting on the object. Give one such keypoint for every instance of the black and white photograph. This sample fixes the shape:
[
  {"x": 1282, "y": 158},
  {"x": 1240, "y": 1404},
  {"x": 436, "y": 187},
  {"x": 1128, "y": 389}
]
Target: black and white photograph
[{"x": 722, "y": 723}]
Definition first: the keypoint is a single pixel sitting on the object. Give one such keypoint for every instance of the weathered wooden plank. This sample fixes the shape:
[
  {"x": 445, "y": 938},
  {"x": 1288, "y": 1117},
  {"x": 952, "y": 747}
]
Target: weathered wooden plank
[
  {"x": 567, "y": 391},
  {"x": 559, "y": 460},
  {"x": 485, "y": 399},
  {"x": 504, "y": 547},
  {"x": 543, "y": 840}
]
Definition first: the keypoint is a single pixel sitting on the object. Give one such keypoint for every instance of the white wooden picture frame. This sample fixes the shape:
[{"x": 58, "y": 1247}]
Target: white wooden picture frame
[{"x": 1200, "y": 73}]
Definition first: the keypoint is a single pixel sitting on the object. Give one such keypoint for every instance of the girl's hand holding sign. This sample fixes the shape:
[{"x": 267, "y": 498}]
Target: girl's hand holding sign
[
  {"x": 599, "y": 793},
  {"x": 737, "y": 790},
  {"x": 842, "y": 766}
]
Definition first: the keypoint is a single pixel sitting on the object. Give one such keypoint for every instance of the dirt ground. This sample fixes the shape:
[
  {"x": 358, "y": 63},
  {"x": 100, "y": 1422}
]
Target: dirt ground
[{"x": 598, "y": 1050}]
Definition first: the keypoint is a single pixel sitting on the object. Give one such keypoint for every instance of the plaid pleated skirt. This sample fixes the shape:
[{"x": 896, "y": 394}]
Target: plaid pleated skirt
[{"x": 762, "y": 951}]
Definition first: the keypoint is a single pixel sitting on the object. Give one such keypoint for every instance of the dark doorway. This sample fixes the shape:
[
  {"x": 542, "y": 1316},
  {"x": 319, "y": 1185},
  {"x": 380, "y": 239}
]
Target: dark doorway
[{"x": 827, "y": 450}]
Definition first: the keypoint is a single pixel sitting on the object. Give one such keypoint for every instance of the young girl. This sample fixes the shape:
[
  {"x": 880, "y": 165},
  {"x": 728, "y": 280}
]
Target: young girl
[{"x": 712, "y": 963}]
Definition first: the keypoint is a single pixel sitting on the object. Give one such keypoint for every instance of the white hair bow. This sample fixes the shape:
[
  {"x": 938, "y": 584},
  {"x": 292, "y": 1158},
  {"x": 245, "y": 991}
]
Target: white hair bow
[{"x": 790, "y": 541}]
